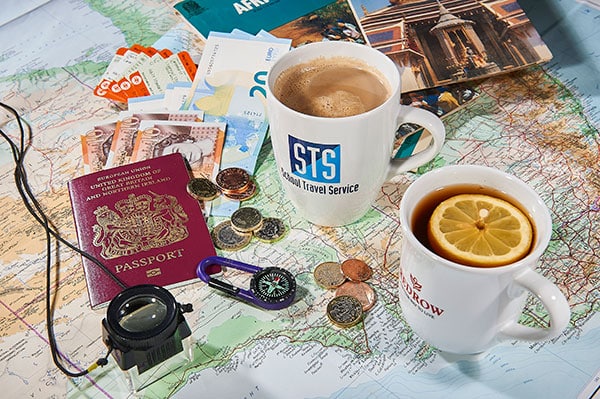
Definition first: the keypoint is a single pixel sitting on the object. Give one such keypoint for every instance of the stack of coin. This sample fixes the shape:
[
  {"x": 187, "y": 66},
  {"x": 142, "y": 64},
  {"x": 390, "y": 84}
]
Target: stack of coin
[
  {"x": 233, "y": 183},
  {"x": 348, "y": 280},
  {"x": 236, "y": 184},
  {"x": 245, "y": 223}
]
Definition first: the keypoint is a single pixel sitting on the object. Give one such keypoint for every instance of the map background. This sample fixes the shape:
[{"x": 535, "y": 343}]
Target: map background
[{"x": 541, "y": 125}]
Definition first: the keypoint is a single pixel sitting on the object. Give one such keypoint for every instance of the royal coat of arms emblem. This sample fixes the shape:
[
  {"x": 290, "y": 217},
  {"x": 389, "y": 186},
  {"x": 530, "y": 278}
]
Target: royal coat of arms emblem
[{"x": 139, "y": 223}]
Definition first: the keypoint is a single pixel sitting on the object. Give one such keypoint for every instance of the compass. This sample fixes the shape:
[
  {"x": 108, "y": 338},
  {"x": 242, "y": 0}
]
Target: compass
[{"x": 271, "y": 288}]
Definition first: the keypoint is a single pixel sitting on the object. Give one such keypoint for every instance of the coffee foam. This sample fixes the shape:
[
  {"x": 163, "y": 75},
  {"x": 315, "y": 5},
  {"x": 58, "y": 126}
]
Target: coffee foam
[
  {"x": 331, "y": 87},
  {"x": 336, "y": 104}
]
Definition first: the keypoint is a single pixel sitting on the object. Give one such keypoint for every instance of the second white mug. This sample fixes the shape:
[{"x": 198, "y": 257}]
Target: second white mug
[{"x": 467, "y": 309}]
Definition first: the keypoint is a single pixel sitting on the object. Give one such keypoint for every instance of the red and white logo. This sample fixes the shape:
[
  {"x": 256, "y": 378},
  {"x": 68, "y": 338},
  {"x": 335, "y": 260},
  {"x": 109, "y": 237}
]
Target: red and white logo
[{"x": 412, "y": 288}]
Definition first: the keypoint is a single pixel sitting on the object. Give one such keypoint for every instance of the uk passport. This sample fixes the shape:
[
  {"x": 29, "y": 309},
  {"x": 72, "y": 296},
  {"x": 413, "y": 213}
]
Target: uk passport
[{"x": 140, "y": 223}]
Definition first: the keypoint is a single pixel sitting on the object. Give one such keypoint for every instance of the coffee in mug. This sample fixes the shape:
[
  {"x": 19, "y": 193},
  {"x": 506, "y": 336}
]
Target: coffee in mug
[
  {"x": 331, "y": 87},
  {"x": 334, "y": 155},
  {"x": 463, "y": 309}
]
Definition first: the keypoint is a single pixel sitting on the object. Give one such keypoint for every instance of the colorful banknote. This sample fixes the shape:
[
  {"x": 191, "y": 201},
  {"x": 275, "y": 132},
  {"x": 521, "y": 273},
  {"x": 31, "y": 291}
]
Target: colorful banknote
[
  {"x": 126, "y": 131},
  {"x": 95, "y": 146},
  {"x": 230, "y": 88},
  {"x": 201, "y": 143}
]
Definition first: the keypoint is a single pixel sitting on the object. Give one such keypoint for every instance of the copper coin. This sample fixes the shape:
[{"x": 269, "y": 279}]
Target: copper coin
[
  {"x": 361, "y": 291},
  {"x": 202, "y": 189},
  {"x": 248, "y": 193},
  {"x": 246, "y": 219},
  {"x": 225, "y": 237},
  {"x": 356, "y": 270},
  {"x": 344, "y": 311},
  {"x": 233, "y": 180},
  {"x": 272, "y": 230},
  {"x": 329, "y": 275}
]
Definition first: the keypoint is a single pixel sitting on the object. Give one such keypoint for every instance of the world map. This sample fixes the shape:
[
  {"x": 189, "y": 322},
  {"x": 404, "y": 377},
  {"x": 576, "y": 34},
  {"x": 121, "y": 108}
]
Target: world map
[{"x": 540, "y": 124}]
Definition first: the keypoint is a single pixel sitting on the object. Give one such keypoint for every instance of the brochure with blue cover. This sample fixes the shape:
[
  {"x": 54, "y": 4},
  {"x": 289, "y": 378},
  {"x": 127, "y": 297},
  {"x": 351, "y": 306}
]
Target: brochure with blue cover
[
  {"x": 302, "y": 21},
  {"x": 249, "y": 16}
]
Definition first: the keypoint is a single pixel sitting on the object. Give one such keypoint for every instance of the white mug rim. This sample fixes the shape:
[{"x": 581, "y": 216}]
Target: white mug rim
[
  {"x": 394, "y": 88},
  {"x": 541, "y": 243}
]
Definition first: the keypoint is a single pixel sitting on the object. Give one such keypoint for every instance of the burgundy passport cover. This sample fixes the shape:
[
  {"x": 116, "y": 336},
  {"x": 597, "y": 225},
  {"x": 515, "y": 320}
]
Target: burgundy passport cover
[{"x": 140, "y": 222}]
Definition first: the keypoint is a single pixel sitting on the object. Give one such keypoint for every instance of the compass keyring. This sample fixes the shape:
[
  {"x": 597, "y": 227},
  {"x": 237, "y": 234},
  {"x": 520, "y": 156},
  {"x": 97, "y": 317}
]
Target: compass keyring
[{"x": 271, "y": 288}]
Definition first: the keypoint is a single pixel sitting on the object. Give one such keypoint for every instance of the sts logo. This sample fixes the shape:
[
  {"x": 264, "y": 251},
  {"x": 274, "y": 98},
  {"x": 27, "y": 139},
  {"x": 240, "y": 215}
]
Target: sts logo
[{"x": 315, "y": 162}]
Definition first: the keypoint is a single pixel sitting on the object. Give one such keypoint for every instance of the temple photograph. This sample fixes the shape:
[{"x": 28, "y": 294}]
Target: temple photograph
[{"x": 441, "y": 42}]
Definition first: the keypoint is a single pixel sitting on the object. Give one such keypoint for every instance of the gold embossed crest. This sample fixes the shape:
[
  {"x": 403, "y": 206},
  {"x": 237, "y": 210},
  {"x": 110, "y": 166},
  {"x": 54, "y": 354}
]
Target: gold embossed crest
[{"x": 139, "y": 223}]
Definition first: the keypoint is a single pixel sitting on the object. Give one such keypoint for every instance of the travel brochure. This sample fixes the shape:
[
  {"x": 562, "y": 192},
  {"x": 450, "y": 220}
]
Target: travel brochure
[
  {"x": 434, "y": 43},
  {"x": 302, "y": 21}
]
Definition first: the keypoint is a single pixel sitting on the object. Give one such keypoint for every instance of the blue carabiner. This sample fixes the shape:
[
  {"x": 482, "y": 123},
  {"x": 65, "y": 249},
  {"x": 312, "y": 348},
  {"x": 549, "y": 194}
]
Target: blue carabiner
[{"x": 271, "y": 288}]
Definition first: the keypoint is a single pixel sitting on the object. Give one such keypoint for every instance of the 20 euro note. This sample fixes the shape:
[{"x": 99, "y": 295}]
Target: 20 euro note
[{"x": 230, "y": 87}]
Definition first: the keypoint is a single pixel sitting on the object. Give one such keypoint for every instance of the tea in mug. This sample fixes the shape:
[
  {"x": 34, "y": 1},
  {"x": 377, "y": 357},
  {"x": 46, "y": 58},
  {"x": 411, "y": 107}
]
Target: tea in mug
[{"x": 473, "y": 225}]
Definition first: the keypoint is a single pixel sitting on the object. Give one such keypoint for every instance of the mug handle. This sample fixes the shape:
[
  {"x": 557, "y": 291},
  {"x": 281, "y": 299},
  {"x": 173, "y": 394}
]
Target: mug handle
[
  {"x": 432, "y": 124},
  {"x": 553, "y": 300}
]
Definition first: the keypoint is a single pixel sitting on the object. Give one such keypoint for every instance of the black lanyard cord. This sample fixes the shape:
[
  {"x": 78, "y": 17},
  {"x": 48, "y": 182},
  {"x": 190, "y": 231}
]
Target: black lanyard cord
[{"x": 34, "y": 208}]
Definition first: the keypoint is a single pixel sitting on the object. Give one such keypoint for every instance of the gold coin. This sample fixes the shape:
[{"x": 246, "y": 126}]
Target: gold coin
[
  {"x": 225, "y": 237},
  {"x": 329, "y": 275},
  {"x": 344, "y": 311},
  {"x": 246, "y": 219},
  {"x": 202, "y": 189},
  {"x": 356, "y": 270},
  {"x": 361, "y": 291}
]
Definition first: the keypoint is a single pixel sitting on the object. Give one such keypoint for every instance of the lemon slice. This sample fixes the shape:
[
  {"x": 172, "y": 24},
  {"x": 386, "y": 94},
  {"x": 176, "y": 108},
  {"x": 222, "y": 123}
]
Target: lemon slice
[{"x": 479, "y": 230}]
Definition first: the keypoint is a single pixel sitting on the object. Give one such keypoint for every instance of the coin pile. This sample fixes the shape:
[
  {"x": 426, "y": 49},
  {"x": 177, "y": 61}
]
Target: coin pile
[
  {"x": 353, "y": 296},
  {"x": 245, "y": 223},
  {"x": 234, "y": 183}
]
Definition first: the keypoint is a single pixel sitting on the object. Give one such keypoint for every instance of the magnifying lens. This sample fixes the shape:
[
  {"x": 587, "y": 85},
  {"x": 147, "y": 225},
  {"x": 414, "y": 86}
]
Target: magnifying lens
[{"x": 144, "y": 327}]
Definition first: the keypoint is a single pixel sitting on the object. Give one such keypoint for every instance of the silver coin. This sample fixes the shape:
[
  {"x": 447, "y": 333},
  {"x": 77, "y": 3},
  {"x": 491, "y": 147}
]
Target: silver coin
[
  {"x": 272, "y": 230},
  {"x": 345, "y": 311},
  {"x": 225, "y": 237}
]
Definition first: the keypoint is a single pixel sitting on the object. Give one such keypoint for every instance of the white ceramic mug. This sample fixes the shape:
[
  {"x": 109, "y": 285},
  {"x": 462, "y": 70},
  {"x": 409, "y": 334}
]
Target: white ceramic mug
[
  {"x": 464, "y": 309},
  {"x": 358, "y": 148}
]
